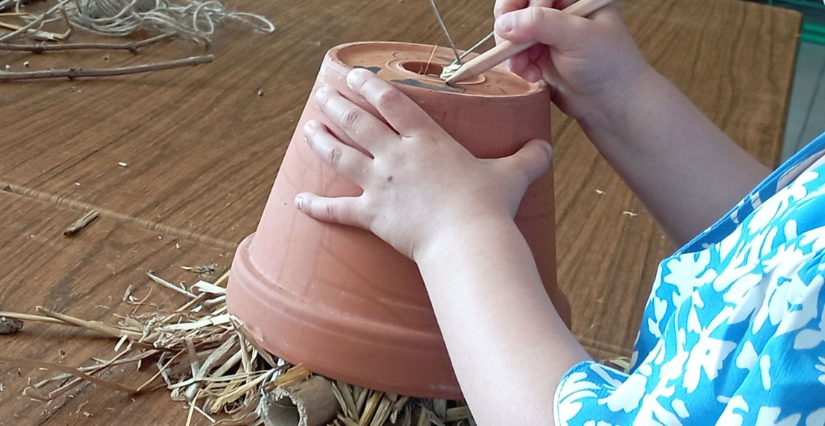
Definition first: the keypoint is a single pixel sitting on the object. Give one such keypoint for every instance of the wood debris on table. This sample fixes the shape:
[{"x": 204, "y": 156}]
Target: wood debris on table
[
  {"x": 81, "y": 223},
  {"x": 200, "y": 355}
]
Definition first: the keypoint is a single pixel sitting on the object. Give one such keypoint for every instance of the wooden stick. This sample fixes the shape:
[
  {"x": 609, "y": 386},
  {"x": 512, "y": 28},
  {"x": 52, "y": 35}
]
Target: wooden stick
[
  {"x": 73, "y": 73},
  {"x": 81, "y": 223},
  {"x": 506, "y": 49},
  {"x": 38, "y": 34},
  {"x": 41, "y": 48}
]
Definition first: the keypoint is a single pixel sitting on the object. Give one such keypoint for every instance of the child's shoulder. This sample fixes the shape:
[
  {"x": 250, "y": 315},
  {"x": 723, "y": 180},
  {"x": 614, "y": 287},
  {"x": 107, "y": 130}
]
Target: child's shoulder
[{"x": 734, "y": 331}]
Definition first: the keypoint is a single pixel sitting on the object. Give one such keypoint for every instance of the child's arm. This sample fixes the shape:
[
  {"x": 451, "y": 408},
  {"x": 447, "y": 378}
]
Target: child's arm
[
  {"x": 452, "y": 213},
  {"x": 508, "y": 346},
  {"x": 685, "y": 170}
]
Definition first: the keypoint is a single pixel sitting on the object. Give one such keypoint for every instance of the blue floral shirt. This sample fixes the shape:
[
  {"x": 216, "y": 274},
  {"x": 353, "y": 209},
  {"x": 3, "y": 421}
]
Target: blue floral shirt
[{"x": 734, "y": 332}]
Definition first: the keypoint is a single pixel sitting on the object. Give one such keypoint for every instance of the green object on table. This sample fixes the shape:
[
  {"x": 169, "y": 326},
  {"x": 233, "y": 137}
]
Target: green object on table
[{"x": 813, "y": 32}]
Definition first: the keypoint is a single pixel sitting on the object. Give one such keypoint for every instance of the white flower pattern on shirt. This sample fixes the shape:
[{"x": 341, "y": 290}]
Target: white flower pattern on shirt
[{"x": 734, "y": 329}]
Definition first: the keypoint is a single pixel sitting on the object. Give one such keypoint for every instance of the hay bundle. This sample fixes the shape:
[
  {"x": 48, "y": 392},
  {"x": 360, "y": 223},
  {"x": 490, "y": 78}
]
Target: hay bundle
[{"x": 201, "y": 356}]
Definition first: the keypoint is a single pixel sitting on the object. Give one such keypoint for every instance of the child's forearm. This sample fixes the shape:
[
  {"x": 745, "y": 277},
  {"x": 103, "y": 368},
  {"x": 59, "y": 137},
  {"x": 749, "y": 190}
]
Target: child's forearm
[
  {"x": 508, "y": 346},
  {"x": 686, "y": 171}
]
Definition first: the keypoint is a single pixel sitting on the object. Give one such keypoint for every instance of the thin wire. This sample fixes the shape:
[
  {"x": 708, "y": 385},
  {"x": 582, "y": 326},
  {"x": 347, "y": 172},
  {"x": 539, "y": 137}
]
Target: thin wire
[
  {"x": 444, "y": 28},
  {"x": 475, "y": 46}
]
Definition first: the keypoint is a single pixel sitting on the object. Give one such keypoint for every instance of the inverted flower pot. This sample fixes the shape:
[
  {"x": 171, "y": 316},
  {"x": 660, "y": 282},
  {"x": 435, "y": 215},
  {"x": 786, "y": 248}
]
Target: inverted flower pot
[{"x": 338, "y": 299}]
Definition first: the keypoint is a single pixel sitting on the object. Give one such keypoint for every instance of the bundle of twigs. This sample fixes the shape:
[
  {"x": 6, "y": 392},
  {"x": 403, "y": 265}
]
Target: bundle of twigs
[{"x": 200, "y": 355}]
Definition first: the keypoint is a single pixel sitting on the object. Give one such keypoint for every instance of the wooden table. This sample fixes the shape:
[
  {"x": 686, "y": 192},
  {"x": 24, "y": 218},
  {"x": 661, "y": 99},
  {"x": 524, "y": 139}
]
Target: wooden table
[{"x": 202, "y": 149}]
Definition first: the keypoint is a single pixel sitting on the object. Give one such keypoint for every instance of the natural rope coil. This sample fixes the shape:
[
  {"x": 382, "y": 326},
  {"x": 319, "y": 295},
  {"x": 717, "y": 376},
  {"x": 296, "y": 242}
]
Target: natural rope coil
[{"x": 189, "y": 18}]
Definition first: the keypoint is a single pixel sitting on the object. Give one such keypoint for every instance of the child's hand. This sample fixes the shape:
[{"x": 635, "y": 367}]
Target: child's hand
[
  {"x": 591, "y": 63},
  {"x": 651, "y": 134},
  {"x": 418, "y": 182}
]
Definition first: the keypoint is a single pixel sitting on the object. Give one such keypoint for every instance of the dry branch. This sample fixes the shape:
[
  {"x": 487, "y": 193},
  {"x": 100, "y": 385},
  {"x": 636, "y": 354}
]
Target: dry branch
[
  {"x": 74, "y": 73},
  {"x": 42, "y": 47}
]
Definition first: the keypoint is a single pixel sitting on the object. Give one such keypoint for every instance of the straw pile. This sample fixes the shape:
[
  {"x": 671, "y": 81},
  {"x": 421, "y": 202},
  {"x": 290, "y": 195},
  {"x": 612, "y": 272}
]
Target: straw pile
[{"x": 201, "y": 356}]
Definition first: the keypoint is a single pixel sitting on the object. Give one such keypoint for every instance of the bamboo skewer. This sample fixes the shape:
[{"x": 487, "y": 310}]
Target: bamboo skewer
[
  {"x": 38, "y": 34},
  {"x": 507, "y": 49}
]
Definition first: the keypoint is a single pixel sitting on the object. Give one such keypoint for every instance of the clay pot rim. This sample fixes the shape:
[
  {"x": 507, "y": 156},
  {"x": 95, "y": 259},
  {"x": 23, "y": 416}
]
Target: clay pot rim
[
  {"x": 538, "y": 88},
  {"x": 378, "y": 331},
  {"x": 245, "y": 272}
]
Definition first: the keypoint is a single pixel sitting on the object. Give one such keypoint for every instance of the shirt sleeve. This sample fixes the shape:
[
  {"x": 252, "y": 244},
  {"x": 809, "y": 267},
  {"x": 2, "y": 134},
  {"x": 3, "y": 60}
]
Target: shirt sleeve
[{"x": 725, "y": 369}]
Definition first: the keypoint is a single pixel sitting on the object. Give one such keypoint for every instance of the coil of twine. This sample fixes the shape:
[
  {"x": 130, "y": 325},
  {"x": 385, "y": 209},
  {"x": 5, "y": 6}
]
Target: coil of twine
[{"x": 192, "y": 19}]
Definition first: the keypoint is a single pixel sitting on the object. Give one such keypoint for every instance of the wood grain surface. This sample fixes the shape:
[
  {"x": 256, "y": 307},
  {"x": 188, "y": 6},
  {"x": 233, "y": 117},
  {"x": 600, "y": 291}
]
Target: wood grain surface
[
  {"x": 85, "y": 276},
  {"x": 202, "y": 149}
]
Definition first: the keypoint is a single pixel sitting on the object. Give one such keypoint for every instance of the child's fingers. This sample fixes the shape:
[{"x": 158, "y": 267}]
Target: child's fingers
[
  {"x": 530, "y": 162},
  {"x": 531, "y": 72},
  {"x": 343, "y": 158},
  {"x": 404, "y": 115},
  {"x": 543, "y": 3},
  {"x": 609, "y": 13},
  {"x": 517, "y": 63},
  {"x": 342, "y": 210},
  {"x": 549, "y": 73},
  {"x": 562, "y": 4},
  {"x": 359, "y": 125},
  {"x": 543, "y": 25},
  {"x": 523, "y": 64},
  {"x": 507, "y": 6}
]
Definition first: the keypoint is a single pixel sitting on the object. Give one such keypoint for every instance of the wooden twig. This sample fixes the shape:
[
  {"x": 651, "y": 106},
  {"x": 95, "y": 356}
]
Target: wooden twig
[
  {"x": 68, "y": 22},
  {"x": 41, "y": 48},
  {"x": 73, "y": 73},
  {"x": 37, "y": 34},
  {"x": 81, "y": 223},
  {"x": 29, "y": 28}
]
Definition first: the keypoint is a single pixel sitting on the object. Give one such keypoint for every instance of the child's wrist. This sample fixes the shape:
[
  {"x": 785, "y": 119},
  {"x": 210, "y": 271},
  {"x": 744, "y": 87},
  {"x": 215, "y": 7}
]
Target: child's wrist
[
  {"x": 460, "y": 235},
  {"x": 613, "y": 115}
]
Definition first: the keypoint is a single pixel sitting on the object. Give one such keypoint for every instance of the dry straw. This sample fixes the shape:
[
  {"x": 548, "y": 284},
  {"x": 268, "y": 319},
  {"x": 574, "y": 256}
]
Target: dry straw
[{"x": 200, "y": 355}]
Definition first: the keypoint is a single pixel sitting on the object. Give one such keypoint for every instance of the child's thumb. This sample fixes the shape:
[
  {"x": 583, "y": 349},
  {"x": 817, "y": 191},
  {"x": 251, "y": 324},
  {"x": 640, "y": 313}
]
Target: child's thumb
[
  {"x": 531, "y": 161},
  {"x": 540, "y": 24}
]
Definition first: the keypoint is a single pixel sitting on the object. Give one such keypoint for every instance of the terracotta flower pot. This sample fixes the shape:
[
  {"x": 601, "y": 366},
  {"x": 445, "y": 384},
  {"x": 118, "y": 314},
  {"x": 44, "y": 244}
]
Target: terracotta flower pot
[{"x": 338, "y": 299}]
